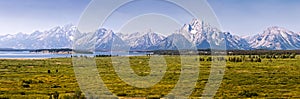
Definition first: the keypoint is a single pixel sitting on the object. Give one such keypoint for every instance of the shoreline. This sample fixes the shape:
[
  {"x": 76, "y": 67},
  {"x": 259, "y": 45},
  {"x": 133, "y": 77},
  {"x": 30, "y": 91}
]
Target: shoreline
[{"x": 24, "y": 58}]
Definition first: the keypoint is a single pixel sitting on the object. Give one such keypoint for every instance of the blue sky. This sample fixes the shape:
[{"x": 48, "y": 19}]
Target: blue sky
[
  {"x": 164, "y": 18},
  {"x": 247, "y": 17},
  {"x": 241, "y": 17},
  {"x": 30, "y": 15}
]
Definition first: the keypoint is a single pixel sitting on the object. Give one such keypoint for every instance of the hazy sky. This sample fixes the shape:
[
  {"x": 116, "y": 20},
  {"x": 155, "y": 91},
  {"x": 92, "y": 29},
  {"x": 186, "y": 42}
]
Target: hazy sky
[
  {"x": 164, "y": 18},
  {"x": 241, "y": 17},
  {"x": 247, "y": 17},
  {"x": 30, "y": 15}
]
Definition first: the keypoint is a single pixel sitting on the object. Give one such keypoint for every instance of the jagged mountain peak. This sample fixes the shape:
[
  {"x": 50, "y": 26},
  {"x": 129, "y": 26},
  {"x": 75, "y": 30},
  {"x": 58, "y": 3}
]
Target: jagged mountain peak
[
  {"x": 141, "y": 40},
  {"x": 67, "y": 27},
  {"x": 153, "y": 34},
  {"x": 194, "y": 26},
  {"x": 21, "y": 33},
  {"x": 276, "y": 30},
  {"x": 196, "y": 22},
  {"x": 196, "y": 32},
  {"x": 204, "y": 36},
  {"x": 277, "y": 38}
]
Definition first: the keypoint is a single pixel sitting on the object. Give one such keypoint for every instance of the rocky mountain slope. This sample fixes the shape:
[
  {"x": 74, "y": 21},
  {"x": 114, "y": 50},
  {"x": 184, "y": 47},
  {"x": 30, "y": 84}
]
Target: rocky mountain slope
[{"x": 196, "y": 34}]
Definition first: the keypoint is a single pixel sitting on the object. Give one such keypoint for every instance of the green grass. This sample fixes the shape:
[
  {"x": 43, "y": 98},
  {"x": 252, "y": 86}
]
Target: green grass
[{"x": 278, "y": 78}]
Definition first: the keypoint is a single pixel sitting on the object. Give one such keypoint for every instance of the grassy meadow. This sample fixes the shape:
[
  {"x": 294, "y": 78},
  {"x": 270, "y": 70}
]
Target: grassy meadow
[{"x": 42, "y": 78}]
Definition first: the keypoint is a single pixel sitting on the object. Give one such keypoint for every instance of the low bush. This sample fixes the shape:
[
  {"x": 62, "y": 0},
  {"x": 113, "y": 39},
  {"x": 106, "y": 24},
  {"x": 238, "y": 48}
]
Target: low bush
[{"x": 248, "y": 94}]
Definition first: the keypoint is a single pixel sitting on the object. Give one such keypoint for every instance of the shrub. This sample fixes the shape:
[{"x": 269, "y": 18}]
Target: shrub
[
  {"x": 25, "y": 85},
  {"x": 27, "y": 81},
  {"x": 121, "y": 94},
  {"x": 40, "y": 81},
  {"x": 209, "y": 59},
  {"x": 258, "y": 60},
  {"x": 56, "y": 86},
  {"x": 22, "y": 93},
  {"x": 50, "y": 96},
  {"x": 78, "y": 95},
  {"x": 4, "y": 98},
  {"x": 248, "y": 94},
  {"x": 56, "y": 95}
]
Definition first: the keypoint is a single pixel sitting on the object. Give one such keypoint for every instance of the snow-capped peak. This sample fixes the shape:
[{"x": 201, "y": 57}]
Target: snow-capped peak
[
  {"x": 277, "y": 30},
  {"x": 194, "y": 26},
  {"x": 276, "y": 38},
  {"x": 197, "y": 32}
]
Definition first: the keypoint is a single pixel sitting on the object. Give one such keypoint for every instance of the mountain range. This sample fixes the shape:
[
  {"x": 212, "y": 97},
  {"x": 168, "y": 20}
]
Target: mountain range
[{"x": 195, "y": 34}]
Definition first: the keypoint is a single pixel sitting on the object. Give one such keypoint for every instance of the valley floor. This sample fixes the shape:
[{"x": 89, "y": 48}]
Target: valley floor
[{"x": 42, "y": 78}]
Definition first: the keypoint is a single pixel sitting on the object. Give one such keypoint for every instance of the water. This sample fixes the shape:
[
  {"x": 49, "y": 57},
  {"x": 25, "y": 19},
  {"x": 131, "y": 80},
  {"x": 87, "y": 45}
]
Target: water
[
  {"x": 123, "y": 53},
  {"x": 29, "y": 55}
]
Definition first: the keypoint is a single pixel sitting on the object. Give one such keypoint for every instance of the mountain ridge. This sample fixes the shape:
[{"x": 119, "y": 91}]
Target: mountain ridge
[{"x": 200, "y": 34}]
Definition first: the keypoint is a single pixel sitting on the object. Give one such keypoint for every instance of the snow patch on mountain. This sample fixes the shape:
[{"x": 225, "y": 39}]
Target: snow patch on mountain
[
  {"x": 194, "y": 34},
  {"x": 206, "y": 36},
  {"x": 276, "y": 38}
]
